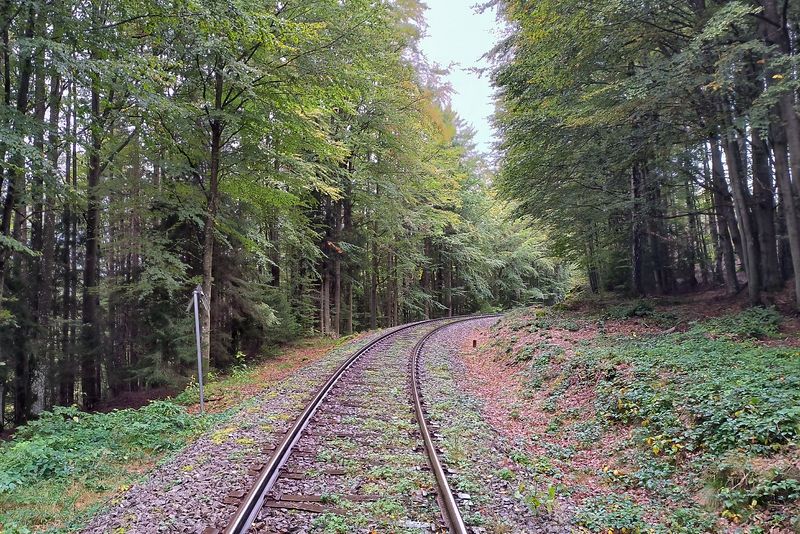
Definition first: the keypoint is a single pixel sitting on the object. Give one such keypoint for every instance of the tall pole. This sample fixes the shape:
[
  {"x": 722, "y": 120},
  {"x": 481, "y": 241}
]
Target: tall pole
[{"x": 198, "y": 291}]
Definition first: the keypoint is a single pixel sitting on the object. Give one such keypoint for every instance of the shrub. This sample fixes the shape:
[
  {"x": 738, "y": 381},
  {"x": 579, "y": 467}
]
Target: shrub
[{"x": 66, "y": 442}]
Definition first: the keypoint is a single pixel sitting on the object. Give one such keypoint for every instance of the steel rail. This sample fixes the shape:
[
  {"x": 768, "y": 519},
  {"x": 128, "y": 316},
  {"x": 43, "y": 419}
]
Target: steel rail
[
  {"x": 450, "y": 512},
  {"x": 252, "y": 503}
]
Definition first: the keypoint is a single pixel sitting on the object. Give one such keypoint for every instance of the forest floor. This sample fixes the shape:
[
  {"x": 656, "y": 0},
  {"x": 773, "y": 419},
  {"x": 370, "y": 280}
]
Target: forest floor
[{"x": 664, "y": 415}]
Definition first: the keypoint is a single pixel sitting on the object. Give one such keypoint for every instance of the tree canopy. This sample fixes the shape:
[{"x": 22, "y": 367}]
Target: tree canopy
[
  {"x": 299, "y": 161},
  {"x": 659, "y": 139}
]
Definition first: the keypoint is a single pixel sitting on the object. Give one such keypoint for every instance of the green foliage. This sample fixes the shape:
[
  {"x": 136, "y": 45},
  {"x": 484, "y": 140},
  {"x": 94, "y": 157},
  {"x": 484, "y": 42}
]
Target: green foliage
[
  {"x": 605, "y": 119},
  {"x": 756, "y": 323},
  {"x": 731, "y": 394},
  {"x": 690, "y": 521},
  {"x": 69, "y": 444},
  {"x": 719, "y": 401},
  {"x": 741, "y": 485},
  {"x": 610, "y": 513},
  {"x": 331, "y": 524},
  {"x": 542, "y": 501},
  {"x": 637, "y": 308}
]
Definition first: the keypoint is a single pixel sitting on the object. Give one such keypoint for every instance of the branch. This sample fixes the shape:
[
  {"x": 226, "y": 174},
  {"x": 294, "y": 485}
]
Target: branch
[{"x": 119, "y": 149}]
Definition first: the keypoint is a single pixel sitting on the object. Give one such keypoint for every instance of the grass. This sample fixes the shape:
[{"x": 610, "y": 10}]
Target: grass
[{"x": 244, "y": 380}]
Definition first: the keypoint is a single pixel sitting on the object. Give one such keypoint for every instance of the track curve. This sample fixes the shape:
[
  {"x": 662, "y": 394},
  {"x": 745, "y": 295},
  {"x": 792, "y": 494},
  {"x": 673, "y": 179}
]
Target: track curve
[{"x": 252, "y": 502}]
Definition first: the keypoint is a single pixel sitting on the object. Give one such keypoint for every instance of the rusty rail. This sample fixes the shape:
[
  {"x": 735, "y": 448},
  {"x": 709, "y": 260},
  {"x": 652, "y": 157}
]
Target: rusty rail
[{"x": 450, "y": 512}]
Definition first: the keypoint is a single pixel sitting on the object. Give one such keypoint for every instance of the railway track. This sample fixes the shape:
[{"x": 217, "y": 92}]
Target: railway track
[{"x": 368, "y": 415}]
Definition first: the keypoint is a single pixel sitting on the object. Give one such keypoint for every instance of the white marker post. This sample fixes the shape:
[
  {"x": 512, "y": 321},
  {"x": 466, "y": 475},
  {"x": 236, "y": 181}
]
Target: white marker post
[{"x": 196, "y": 299}]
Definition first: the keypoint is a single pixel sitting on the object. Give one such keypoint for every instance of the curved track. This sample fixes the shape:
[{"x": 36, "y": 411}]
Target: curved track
[{"x": 252, "y": 503}]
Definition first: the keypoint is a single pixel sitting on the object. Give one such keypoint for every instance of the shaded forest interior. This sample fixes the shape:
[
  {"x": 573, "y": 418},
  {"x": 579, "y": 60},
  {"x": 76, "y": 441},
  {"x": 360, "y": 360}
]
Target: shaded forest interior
[
  {"x": 303, "y": 165},
  {"x": 661, "y": 139}
]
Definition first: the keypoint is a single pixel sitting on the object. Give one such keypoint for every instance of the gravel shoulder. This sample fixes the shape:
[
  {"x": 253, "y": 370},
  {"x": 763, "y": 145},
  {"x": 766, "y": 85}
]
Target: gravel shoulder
[
  {"x": 498, "y": 487},
  {"x": 185, "y": 493}
]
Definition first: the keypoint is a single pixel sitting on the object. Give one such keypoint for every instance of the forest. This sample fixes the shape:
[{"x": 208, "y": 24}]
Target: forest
[
  {"x": 299, "y": 161},
  {"x": 587, "y": 323},
  {"x": 661, "y": 139}
]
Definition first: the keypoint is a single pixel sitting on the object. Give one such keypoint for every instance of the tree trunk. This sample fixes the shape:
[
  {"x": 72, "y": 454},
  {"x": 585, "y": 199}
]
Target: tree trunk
[
  {"x": 637, "y": 280},
  {"x": 373, "y": 287},
  {"x": 448, "y": 287},
  {"x": 725, "y": 218},
  {"x": 13, "y": 175},
  {"x": 693, "y": 239},
  {"x": 742, "y": 207},
  {"x": 337, "y": 269},
  {"x": 217, "y": 128},
  {"x": 390, "y": 289},
  {"x": 764, "y": 214},
  {"x": 786, "y": 136},
  {"x": 788, "y": 205},
  {"x": 68, "y": 259},
  {"x": 90, "y": 333}
]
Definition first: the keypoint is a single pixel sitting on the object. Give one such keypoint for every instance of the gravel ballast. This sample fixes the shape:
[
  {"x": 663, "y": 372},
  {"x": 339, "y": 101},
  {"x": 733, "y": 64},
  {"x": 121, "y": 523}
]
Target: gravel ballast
[
  {"x": 361, "y": 457},
  {"x": 186, "y": 492}
]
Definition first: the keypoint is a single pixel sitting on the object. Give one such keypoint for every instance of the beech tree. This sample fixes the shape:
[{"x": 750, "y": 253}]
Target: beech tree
[
  {"x": 298, "y": 160},
  {"x": 656, "y": 139}
]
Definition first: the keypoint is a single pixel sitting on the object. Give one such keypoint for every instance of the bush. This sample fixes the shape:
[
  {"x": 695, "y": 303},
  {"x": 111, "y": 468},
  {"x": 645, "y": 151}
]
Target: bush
[
  {"x": 695, "y": 399},
  {"x": 707, "y": 394},
  {"x": 69, "y": 443},
  {"x": 630, "y": 310},
  {"x": 610, "y": 513}
]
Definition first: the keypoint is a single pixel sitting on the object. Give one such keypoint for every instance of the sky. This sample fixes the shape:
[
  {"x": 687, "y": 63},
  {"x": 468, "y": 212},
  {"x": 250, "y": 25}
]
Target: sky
[{"x": 457, "y": 36}]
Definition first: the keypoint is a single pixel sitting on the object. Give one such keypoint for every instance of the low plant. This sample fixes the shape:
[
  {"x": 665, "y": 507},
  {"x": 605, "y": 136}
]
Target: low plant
[
  {"x": 66, "y": 455},
  {"x": 610, "y": 513},
  {"x": 754, "y": 323},
  {"x": 330, "y": 523}
]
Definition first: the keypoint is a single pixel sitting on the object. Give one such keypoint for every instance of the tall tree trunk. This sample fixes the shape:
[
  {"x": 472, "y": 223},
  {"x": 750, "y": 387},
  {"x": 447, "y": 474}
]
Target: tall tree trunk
[
  {"x": 427, "y": 286},
  {"x": 591, "y": 264},
  {"x": 337, "y": 269},
  {"x": 13, "y": 175},
  {"x": 90, "y": 334},
  {"x": 764, "y": 213},
  {"x": 217, "y": 128},
  {"x": 390, "y": 281},
  {"x": 637, "y": 279},
  {"x": 728, "y": 230},
  {"x": 742, "y": 206},
  {"x": 347, "y": 235},
  {"x": 693, "y": 239},
  {"x": 69, "y": 261},
  {"x": 774, "y": 29},
  {"x": 373, "y": 287},
  {"x": 448, "y": 287},
  {"x": 788, "y": 205}
]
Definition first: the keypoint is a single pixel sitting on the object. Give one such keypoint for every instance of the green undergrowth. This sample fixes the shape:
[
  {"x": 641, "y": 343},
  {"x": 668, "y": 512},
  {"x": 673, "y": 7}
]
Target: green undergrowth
[
  {"x": 713, "y": 415},
  {"x": 57, "y": 466},
  {"x": 724, "y": 410}
]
